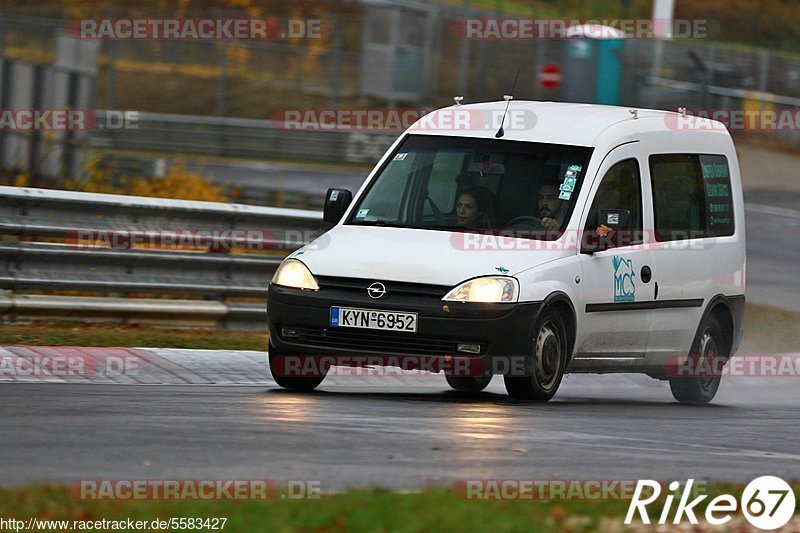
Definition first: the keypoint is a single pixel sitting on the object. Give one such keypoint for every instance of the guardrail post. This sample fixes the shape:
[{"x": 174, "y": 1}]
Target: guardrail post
[
  {"x": 336, "y": 61},
  {"x": 708, "y": 79},
  {"x": 222, "y": 87}
]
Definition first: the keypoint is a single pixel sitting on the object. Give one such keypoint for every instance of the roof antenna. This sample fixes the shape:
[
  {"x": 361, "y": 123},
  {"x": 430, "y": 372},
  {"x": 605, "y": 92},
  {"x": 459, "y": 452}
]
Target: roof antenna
[{"x": 507, "y": 98}]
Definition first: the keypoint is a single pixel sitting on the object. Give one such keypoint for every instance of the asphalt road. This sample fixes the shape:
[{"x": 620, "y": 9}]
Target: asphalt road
[
  {"x": 396, "y": 433},
  {"x": 773, "y": 247},
  {"x": 412, "y": 432}
]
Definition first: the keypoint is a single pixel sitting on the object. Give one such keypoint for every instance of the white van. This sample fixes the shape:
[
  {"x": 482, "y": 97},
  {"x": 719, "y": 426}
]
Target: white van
[{"x": 578, "y": 238}]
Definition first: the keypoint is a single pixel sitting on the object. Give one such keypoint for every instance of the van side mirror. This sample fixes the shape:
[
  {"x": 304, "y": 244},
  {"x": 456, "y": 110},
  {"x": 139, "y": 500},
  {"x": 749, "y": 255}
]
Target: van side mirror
[
  {"x": 610, "y": 231},
  {"x": 336, "y": 203}
]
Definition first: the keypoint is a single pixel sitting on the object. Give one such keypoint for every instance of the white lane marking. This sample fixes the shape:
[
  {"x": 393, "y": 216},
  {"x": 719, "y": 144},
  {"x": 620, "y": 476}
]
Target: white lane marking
[{"x": 772, "y": 210}]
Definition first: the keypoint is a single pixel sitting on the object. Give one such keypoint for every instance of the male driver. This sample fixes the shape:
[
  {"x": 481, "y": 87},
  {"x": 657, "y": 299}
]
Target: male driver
[{"x": 549, "y": 206}]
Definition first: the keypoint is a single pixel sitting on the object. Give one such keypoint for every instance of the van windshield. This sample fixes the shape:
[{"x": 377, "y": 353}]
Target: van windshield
[{"x": 447, "y": 183}]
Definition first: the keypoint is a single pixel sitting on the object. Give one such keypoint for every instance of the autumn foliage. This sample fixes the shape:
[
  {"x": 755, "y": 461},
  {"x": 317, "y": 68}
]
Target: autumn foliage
[{"x": 178, "y": 182}]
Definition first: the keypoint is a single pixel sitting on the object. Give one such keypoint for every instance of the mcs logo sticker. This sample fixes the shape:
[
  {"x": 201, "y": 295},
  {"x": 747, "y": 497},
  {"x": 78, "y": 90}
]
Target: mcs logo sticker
[{"x": 624, "y": 287}]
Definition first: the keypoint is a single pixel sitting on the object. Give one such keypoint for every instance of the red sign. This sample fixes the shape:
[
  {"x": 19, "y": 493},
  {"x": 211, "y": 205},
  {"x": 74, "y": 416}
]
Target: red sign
[{"x": 550, "y": 76}]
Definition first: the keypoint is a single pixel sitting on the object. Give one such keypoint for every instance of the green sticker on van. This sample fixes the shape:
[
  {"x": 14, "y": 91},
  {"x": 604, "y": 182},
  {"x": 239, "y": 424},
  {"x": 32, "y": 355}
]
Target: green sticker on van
[{"x": 715, "y": 170}]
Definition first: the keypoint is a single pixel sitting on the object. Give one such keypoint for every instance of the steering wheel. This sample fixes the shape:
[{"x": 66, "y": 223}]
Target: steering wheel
[{"x": 525, "y": 222}]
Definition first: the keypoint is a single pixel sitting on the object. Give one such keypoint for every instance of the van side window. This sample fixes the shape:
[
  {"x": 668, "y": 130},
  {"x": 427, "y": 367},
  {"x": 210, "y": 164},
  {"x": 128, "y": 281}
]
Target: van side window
[
  {"x": 621, "y": 188},
  {"x": 691, "y": 196}
]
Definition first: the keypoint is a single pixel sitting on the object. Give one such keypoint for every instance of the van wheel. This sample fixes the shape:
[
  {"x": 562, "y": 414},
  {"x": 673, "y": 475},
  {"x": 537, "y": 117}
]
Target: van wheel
[
  {"x": 702, "y": 388},
  {"x": 546, "y": 363},
  {"x": 468, "y": 384},
  {"x": 300, "y": 384}
]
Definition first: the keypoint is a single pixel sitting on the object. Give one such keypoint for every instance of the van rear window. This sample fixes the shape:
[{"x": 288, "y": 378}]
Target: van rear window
[{"x": 692, "y": 196}]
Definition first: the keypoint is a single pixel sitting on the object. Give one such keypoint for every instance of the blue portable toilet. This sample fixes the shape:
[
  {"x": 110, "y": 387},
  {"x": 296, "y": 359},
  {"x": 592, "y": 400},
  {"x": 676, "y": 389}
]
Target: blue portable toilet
[{"x": 593, "y": 68}]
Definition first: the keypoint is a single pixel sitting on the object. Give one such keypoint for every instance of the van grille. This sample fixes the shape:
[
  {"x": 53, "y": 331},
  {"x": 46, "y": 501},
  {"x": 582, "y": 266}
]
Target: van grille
[
  {"x": 377, "y": 342},
  {"x": 393, "y": 288}
]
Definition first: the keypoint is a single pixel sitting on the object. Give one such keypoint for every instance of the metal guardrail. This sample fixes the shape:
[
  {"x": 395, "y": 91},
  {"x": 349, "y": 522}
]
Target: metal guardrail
[
  {"x": 266, "y": 139},
  {"x": 236, "y": 137},
  {"x": 730, "y": 104},
  {"x": 219, "y": 255},
  {"x": 741, "y": 94}
]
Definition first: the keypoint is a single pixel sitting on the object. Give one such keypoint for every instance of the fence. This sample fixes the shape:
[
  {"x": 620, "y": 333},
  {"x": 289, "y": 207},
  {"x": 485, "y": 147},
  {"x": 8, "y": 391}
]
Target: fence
[
  {"x": 382, "y": 52},
  {"x": 101, "y": 257},
  {"x": 30, "y": 87}
]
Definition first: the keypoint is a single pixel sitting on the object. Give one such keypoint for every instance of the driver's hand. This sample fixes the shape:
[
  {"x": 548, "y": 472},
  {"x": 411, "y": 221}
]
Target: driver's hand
[{"x": 550, "y": 223}]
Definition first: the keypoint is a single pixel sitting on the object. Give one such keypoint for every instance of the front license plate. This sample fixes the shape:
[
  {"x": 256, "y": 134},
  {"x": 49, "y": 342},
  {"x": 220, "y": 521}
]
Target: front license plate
[{"x": 349, "y": 317}]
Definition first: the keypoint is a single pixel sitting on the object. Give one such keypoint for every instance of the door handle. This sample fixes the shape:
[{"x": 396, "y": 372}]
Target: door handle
[{"x": 647, "y": 274}]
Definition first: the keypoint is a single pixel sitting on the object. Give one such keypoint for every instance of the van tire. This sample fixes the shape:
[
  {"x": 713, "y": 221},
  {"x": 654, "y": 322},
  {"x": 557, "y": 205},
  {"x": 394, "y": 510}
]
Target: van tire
[
  {"x": 546, "y": 363},
  {"x": 710, "y": 345},
  {"x": 468, "y": 384},
  {"x": 299, "y": 384}
]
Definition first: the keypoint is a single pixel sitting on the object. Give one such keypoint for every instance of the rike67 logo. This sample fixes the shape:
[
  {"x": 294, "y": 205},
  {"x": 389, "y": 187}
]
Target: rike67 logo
[{"x": 767, "y": 502}]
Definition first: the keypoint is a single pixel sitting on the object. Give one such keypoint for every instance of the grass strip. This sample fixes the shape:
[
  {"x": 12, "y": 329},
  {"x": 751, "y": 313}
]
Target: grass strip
[
  {"x": 767, "y": 330},
  {"x": 66, "y": 334},
  {"x": 437, "y": 509}
]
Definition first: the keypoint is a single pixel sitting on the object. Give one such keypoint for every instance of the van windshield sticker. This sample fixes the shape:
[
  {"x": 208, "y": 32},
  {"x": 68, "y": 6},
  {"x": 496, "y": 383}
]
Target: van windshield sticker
[
  {"x": 362, "y": 213},
  {"x": 567, "y": 187},
  {"x": 400, "y": 156}
]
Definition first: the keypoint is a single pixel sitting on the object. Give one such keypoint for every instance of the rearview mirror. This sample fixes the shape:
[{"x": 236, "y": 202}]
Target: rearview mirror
[{"x": 336, "y": 203}]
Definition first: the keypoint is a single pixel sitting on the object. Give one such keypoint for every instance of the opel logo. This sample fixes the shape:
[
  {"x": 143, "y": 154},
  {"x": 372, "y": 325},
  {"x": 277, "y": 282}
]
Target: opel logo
[{"x": 376, "y": 290}]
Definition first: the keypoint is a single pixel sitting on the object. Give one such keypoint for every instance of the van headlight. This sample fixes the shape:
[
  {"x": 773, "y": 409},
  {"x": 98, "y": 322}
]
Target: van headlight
[
  {"x": 489, "y": 289},
  {"x": 293, "y": 273}
]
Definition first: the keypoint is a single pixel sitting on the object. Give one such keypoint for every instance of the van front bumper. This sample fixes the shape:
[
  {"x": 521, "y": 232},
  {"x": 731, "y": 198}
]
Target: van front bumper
[{"x": 299, "y": 325}]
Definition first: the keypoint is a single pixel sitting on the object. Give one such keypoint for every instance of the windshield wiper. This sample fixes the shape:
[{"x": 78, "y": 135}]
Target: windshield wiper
[
  {"x": 439, "y": 226},
  {"x": 389, "y": 224},
  {"x": 443, "y": 227},
  {"x": 381, "y": 223}
]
